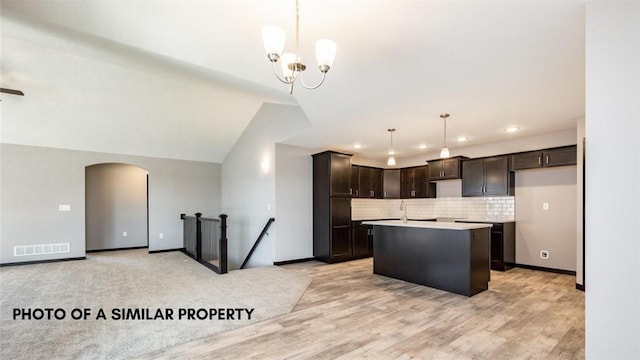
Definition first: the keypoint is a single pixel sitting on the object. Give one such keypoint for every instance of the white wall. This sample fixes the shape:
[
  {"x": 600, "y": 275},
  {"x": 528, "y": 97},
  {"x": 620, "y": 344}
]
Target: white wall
[
  {"x": 554, "y": 229},
  {"x": 35, "y": 180},
  {"x": 97, "y": 95},
  {"x": 249, "y": 182},
  {"x": 580, "y": 203},
  {"x": 612, "y": 273},
  {"x": 294, "y": 199}
]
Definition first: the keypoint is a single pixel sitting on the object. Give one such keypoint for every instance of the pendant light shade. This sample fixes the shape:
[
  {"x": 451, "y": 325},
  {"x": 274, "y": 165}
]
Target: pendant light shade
[
  {"x": 444, "y": 153},
  {"x": 391, "y": 161}
]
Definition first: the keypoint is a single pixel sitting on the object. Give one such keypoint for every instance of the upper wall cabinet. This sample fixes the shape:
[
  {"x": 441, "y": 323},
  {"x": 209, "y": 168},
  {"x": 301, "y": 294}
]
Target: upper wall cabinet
[
  {"x": 414, "y": 183},
  {"x": 545, "y": 158},
  {"x": 487, "y": 177},
  {"x": 391, "y": 184},
  {"x": 335, "y": 170},
  {"x": 444, "y": 169},
  {"x": 369, "y": 182}
]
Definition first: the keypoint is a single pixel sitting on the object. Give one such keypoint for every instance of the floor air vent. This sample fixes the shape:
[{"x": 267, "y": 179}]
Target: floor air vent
[{"x": 33, "y": 250}]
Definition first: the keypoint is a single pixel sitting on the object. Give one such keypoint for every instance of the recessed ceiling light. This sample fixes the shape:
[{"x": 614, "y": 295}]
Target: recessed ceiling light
[
  {"x": 462, "y": 138},
  {"x": 357, "y": 146},
  {"x": 391, "y": 152},
  {"x": 422, "y": 146},
  {"x": 512, "y": 129}
]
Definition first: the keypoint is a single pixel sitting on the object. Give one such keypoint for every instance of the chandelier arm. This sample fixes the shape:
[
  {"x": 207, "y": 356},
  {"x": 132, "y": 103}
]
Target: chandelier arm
[
  {"x": 324, "y": 74},
  {"x": 275, "y": 72}
]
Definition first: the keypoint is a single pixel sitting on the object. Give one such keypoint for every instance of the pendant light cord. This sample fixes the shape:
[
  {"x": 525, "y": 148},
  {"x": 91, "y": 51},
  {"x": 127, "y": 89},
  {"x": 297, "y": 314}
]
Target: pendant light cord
[
  {"x": 445, "y": 132},
  {"x": 297, "y": 27}
]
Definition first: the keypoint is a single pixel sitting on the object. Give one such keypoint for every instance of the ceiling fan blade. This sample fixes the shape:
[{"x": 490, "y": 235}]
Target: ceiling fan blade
[{"x": 11, "y": 91}]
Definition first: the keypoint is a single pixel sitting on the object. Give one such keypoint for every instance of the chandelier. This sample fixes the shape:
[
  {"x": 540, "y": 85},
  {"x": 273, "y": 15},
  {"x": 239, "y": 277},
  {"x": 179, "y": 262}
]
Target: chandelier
[{"x": 292, "y": 65}]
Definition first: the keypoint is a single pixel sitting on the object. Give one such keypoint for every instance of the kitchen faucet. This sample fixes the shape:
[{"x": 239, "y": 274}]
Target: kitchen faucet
[{"x": 403, "y": 207}]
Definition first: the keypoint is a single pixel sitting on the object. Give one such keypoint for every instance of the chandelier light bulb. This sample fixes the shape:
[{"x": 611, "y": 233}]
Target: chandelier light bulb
[
  {"x": 325, "y": 53},
  {"x": 273, "y": 38}
]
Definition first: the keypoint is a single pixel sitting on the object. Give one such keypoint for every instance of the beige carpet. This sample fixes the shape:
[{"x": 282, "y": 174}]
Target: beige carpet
[{"x": 131, "y": 279}]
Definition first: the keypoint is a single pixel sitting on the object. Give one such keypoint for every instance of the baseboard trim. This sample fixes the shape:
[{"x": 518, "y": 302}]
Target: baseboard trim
[
  {"x": 295, "y": 261},
  {"x": 540, "y": 268},
  {"x": 164, "y": 250},
  {"x": 118, "y": 249},
  {"x": 42, "y": 261},
  {"x": 580, "y": 287}
]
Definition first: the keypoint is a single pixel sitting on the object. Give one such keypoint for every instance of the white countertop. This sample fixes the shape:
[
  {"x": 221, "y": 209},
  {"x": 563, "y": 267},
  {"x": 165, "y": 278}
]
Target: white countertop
[{"x": 429, "y": 224}]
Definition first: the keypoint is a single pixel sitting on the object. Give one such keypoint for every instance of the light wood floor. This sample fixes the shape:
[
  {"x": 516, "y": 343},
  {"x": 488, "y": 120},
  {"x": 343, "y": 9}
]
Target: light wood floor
[{"x": 349, "y": 313}]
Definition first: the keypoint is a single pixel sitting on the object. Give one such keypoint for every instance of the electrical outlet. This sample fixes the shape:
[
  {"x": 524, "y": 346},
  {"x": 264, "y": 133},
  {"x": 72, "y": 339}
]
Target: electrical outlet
[
  {"x": 161, "y": 236},
  {"x": 124, "y": 233},
  {"x": 544, "y": 254},
  {"x": 64, "y": 207},
  {"x": 545, "y": 206}
]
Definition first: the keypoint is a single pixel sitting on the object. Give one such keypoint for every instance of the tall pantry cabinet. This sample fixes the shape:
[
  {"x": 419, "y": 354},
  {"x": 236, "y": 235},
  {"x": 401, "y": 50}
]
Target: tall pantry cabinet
[{"x": 332, "y": 193}]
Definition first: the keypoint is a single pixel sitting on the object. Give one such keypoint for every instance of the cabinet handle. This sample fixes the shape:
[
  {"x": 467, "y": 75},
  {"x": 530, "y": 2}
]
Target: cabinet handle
[
  {"x": 350, "y": 191},
  {"x": 385, "y": 194},
  {"x": 539, "y": 160},
  {"x": 372, "y": 193},
  {"x": 357, "y": 192},
  {"x": 547, "y": 159}
]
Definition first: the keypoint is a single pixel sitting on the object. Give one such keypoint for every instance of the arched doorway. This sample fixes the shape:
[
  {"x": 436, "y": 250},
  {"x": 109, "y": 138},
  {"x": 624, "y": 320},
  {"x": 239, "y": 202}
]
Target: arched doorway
[{"x": 116, "y": 207}]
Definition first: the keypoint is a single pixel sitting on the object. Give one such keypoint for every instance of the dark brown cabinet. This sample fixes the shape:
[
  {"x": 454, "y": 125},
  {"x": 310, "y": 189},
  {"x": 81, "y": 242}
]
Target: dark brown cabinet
[
  {"x": 503, "y": 245},
  {"x": 444, "y": 169},
  {"x": 391, "y": 183},
  {"x": 369, "y": 182},
  {"x": 355, "y": 181},
  {"x": 487, "y": 177},
  {"x": 545, "y": 158},
  {"x": 414, "y": 183},
  {"x": 332, "y": 207},
  {"x": 361, "y": 239}
]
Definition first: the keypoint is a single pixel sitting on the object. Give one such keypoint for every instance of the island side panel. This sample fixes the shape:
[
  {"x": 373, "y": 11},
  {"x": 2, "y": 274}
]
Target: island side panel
[
  {"x": 438, "y": 258},
  {"x": 480, "y": 260}
]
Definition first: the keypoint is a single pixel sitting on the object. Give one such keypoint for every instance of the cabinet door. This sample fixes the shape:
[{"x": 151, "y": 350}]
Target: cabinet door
[
  {"x": 560, "y": 157},
  {"x": 406, "y": 183},
  {"x": 364, "y": 186},
  {"x": 530, "y": 160},
  {"x": 450, "y": 169},
  {"x": 420, "y": 181},
  {"x": 435, "y": 170},
  {"x": 473, "y": 177},
  {"x": 355, "y": 181},
  {"x": 340, "y": 228},
  {"x": 496, "y": 176},
  {"x": 340, "y": 175},
  {"x": 497, "y": 262},
  {"x": 391, "y": 184},
  {"x": 360, "y": 238},
  {"x": 376, "y": 183}
]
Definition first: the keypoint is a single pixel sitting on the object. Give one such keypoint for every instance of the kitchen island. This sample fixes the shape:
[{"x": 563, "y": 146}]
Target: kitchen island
[{"x": 444, "y": 255}]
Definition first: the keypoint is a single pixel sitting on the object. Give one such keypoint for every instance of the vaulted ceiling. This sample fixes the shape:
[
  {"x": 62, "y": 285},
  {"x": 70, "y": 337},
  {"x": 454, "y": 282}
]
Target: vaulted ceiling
[{"x": 399, "y": 64}]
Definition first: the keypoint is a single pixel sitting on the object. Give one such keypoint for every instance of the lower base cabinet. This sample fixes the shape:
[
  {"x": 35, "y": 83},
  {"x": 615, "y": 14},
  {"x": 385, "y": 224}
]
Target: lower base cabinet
[
  {"x": 361, "y": 239},
  {"x": 503, "y": 246}
]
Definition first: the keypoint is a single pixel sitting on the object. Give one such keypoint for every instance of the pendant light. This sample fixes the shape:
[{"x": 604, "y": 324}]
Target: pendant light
[
  {"x": 391, "y": 161},
  {"x": 444, "y": 153}
]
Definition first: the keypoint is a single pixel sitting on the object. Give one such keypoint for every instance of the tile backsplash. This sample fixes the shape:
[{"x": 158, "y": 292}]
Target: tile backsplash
[{"x": 499, "y": 208}]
